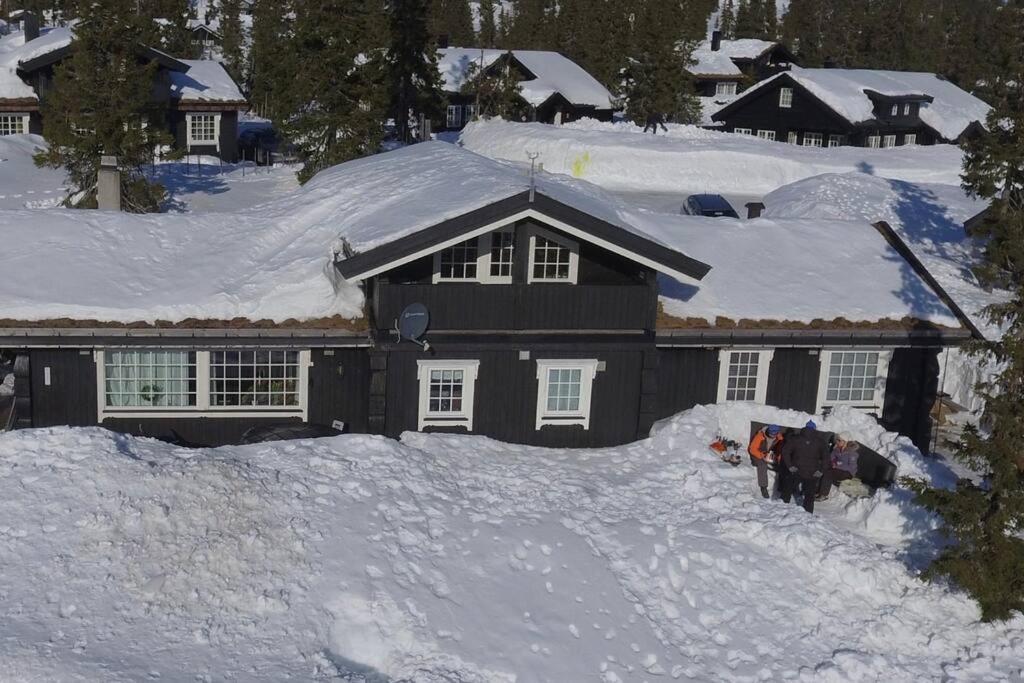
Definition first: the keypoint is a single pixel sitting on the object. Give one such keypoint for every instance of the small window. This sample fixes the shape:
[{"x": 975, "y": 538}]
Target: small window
[
  {"x": 812, "y": 139},
  {"x": 889, "y": 141},
  {"x": 874, "y": 141},
  {"x": 470, "y": 113},
  {"x": 743, "y": 375},
  {"x": 564, "y": 392},
  {"x": 725, "y": 88},
  {"x": 13, "y": 124},
  {"x": 895, "y": 110},
  {"x": 502, "y": 246},
  {"x": 854, "y": 378},
  {"x": 836, "y": 140},
  {"x": 459, "y": 262},
  {"x": 792, "y": 138},
  {"x": 149, "y": 379},
  {"x": 743, "y": 131},
  {"x": 785, "y": 98},
  {"x": 446, "y": 393},
  {"x": 552, "y": 258},
  {"x": 202, "y": 129},
  {"x": 906, "y": 109},
  {"x": 454, "y": 119},
  {"x": 260, "y": 379},
  {"x": 910, "y": 139},
  {"x": 766, "y": 134}
]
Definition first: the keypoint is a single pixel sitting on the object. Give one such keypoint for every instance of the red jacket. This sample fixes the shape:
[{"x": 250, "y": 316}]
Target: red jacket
[{"x": 763, "y": 446}]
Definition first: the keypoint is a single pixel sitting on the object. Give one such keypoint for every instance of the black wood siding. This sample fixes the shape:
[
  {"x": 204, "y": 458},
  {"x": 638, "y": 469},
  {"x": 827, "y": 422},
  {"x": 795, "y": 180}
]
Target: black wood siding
[
  {"x": 70, "y": 399},
  {"x": 228, "y": 133},
  {"x": 910, "y": 392},
  {"x": 339, "y": 387},
  {"x": 505, "y": 402},
  {"x": 793, "y": 380},
  {"x": 686, "y": 378}
]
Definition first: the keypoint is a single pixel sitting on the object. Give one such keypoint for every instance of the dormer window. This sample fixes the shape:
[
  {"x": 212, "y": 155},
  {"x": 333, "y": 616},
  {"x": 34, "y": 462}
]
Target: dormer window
[{"x": 552, "y": 258}]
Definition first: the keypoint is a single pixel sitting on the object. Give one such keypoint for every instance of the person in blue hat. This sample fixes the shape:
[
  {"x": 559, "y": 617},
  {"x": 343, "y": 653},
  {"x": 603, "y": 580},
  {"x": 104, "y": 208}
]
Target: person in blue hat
[
  {"x": 764, "y": 451},
  {"x": 805, "y": 457}
]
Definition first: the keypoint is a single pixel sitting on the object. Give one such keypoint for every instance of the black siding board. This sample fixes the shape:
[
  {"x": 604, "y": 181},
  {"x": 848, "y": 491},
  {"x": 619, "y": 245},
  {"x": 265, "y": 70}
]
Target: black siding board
[
  {"x": 793, "y": 380},
  {"x": 910, "y": 392},
  {"x": 70, "y": 399},
  {"x": 339, "y": 388},
  {"x": 686, "y": 378},
  {"x": 194, "y": 431}
]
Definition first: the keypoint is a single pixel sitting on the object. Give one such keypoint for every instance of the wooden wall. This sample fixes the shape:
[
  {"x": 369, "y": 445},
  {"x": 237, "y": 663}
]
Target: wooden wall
[
  {"x": 910, "y": 392},
  {"x": 793, "y": 379},
  {"x": 687, "y": 377}
]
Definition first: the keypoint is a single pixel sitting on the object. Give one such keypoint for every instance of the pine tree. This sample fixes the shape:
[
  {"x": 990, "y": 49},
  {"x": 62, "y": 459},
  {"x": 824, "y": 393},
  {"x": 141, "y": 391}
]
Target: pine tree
[
  {"x": 453, "y": 19},
  {"x": 272, "y": 64},
  {"x": 497, "y": 90},
  {"x": 488, "y": 36},
  {"x": 232, "y": 38},
  {"x": 531, "y": 25},
  {"x": 770, "y": 20},
  {"x": 100, "y": 104},
  {"x": 986, "y": 519},
  {"x": 749, "y": 19},
  {"x": 727, "y": 20},
  {"x": 338, "y": 111},
  {"x": 412, "y": 75}
]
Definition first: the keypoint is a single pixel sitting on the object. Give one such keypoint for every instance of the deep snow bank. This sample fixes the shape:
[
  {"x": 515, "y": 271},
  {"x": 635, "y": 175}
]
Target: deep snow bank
[
  {"x": 22, "y": 184},
  {"x": 619, "y": 156},
  {"x": 455, "y": 558}
]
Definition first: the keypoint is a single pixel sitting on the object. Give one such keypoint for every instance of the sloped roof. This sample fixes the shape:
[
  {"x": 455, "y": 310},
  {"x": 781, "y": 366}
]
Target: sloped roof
[
  {"x": 15, "y": 51},
  {"x": 554, "y": 73},
  {"x": 205, "y": 81},
  {"x": 721, "y": 62}
]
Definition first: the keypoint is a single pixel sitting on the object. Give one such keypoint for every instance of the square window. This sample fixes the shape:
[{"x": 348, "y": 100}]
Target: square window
[
  {"x": 150, "y": 379},
  {"x": 564, "y": 391},
  {"x": 854, "y": 377},
  {"x": 202, "y": 129},
  {"x": 13, "y": 124},
  {"x": 813, "y": 139},
  {"x": 889, "y": 141},
  {"x": 446, "y": 393},
  {"x": 910, "y": 139},
  {"x": 766, "y": 134},
  {"x": 459, "y": 261},
  {"x": 551, "y": 259},
  {"x": 725, "y": 88}
]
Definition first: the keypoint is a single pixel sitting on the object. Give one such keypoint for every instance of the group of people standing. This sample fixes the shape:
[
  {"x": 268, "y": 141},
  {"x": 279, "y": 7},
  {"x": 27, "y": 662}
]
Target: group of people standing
[{"x": 803, "y": 462}]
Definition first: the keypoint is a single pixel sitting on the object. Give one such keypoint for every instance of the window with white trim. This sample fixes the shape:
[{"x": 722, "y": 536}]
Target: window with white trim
[
  {"x": 743, "y": 375},
  {"x": 906, "y": 109},
  {"x": 180, "y": 383},
  {"x": 895, "y": 110},
  {"x": 446, "y": 393},
  {"x": 743, "y": 131},
  {"x": 785, "y": 98},
  {"x": 486, "y": 259},
  {"x": 836, "y": 140},
  {"x": 459, "y": 262},
  {"x": 853, "y": 377},
  {"x": 792, "y": 138},
  {"x": 766, "y": 135},
  {"x": 874, "y": 141},
  {"x": 889, "y": 141},
  {"x": 501, "y": 249},
  {"x": 454, "y": 119},
  {"x": 910, "y": 139},
  {"x": 202, "y": 129},
  {"x": 553, "y": 258},
  {"x": 13, "y": 124},
  {"x": 723, "y": 88},
  {"x": 469, "y": 113},
  {"x": 813, "y": 139},
  {"x": 564, "y": 389}
]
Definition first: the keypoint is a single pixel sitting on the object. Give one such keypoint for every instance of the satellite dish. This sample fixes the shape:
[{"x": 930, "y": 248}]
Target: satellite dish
[{"x": 412, "y": 324}]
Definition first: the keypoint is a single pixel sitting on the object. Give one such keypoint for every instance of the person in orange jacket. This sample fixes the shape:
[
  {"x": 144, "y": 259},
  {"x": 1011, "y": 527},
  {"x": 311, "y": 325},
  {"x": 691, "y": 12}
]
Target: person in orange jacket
[{"x": 764, "y": 451}]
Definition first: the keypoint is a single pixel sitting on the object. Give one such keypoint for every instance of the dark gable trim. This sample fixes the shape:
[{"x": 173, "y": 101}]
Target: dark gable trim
[
  {"x": 44, "y": 60},
  {"x": 356, "y": 265},
  {"x": 892, "y": 99},
  {"x": 755, "y": 92},
  {"x": 161, "y": 58},
  {"x": 78, "y": 338},
  {"x": 206, "y": 29}
]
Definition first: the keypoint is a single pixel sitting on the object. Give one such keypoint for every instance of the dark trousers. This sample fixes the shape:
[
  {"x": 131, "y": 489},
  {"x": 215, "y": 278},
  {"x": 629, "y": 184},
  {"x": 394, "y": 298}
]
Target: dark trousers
[
  {"x": 831, "y": 477},
  {"x": 808, "y": 488}
]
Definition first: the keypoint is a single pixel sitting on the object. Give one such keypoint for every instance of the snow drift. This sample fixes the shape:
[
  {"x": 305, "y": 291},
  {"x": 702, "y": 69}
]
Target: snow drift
[{"x": 448, "y": 558}]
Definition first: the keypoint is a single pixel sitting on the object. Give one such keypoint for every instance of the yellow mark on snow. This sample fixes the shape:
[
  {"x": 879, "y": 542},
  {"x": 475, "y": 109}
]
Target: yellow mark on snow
[{"x": 579, "y": 165}]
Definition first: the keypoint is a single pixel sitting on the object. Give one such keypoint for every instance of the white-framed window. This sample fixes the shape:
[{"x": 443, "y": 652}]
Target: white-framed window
[
  {"x": 469, "y": 113},
  {"x": 895, "y": 110},
  {"x": 836, "y": 140},
  {"x": 813, "y": 140},
  {"x": 766, "y": 134},
  {"x": 202, "y": 129},
  {"x": 454, "y": 119},
  {"x": 459, "y": 262},
  {"x": 743, "y": 374},
  {"x": 446, "y": 393},
  {"x": 874, "y": 141},
  {"x": 723, "y": 88},
  {"x": 553, "y": 258},
  {"x": 853, "y": 377},
  {"x": 564, "y": 389},
  {"x": 910, "y": 139},
  {"x": 785, "y": 98},
  {"x": 906, "y": 109},
  {"x": 486, "y": 259},
  {"x": 13, "y": 124},
  {"x": 792, "y": 138},
  {"x": 889, "y": 141},
  {"x": 743, "y": 131},
  {"x": 215, "y": 383},
  {"x": 502, "y": 248}
]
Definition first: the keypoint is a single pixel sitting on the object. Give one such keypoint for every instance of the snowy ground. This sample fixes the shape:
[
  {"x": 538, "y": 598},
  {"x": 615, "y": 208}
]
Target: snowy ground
[
  {"x": 446, "y": 558},
  {"x": 211, "y": 186},
  {"x": 22, "y": 185}
]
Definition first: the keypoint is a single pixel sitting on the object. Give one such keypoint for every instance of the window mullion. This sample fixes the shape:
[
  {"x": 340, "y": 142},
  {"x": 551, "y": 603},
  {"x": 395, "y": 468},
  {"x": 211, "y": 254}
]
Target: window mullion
[{"x": 202, "y": 380}]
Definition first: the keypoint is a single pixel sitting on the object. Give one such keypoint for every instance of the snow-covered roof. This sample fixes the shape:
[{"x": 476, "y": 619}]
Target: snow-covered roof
[
  {"x": 205, "y": 81},
  {"x": 845, "y": 91},
  {"x": 720, "y": 62},
  {"x": 554, "y": 73},
  {"x": 14, "y": 51}
]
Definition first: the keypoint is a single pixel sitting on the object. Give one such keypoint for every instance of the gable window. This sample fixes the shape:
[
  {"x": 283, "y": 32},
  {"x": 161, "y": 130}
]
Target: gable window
[
  {"x": 785, "y": 98},
  {"x": 202, "y": 129},
  {"x": 446, "y": 393},
  {"x": 836, "y": 140},
  {"x": 791, "y": 138},
  {"x": 564, "y": 390},
  {"x": 552, "y": 258},
  {"x": 766, "y": 134},
  {"x": 889, "y": 141},
  {"x": 895, "y": 110},
  {"x": 906, "y": 109},
  {"x": 874, "y": 141},
  {"x": 812, "y": 139},
  {"x": 454, "y": 119},
  {"x": 910, "y": 139},
  {"x": 13, "y": 124},
  {"x": 743, "y": 375},
  {"x": 743, "y": 131},
  {"x": 725, "y": 88},
  {"x": 855, "y": 378},
  {"x": 459, "y": 262},
  {"x": 502, "y": 246},
  {"x": 219, "y": 383}
]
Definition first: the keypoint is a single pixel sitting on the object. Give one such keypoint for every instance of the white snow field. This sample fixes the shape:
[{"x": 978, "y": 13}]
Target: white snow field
[
  {"x": 688, "y": 159},
  {"x": 22, "y": 184},
  {"x": 461, "y": 559}
]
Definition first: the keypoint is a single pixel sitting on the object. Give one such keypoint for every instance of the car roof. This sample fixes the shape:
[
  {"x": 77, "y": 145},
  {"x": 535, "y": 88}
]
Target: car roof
[{"x": 712, "y": 202}]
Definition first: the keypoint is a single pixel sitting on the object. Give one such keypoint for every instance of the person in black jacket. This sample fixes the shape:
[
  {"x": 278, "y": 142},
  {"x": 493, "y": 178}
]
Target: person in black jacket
[{"x": 805, "y": 458}]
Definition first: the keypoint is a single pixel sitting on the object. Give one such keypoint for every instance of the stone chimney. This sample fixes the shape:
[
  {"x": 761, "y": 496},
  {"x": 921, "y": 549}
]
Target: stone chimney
[
  {"x": 716, "y": 40},
  {"x": 754, "y": 210},
  {"x": 30, "y": 25},
  {"x": 108, "y": 185}
]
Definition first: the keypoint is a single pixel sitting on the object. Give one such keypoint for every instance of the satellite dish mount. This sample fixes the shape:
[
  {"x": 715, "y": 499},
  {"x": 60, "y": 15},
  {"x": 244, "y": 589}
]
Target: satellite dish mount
[{"x": 412, "y": 324}]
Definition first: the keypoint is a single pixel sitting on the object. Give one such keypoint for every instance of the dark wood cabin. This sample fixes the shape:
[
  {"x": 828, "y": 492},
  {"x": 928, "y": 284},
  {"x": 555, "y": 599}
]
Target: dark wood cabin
[{"x": 724, "y": 68}]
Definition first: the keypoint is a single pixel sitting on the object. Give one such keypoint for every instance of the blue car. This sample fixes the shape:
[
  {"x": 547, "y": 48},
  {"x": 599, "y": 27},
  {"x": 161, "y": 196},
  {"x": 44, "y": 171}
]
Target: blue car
[{"x": 712, "y": 205}]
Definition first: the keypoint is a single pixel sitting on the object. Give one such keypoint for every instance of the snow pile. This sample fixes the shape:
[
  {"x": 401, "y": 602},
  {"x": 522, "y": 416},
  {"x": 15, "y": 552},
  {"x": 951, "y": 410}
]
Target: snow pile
[
  {"x": 461, "y": 558},
  {"x": 22, "y": 184},
  {"x": 618, "y": 156},
  {"x": 205, "y": 81},
  {"x": 6, "y": 383}
]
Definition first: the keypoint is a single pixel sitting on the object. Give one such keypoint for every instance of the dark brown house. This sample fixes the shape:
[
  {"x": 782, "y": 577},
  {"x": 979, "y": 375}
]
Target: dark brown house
[{"x": 724, "y": 68}]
